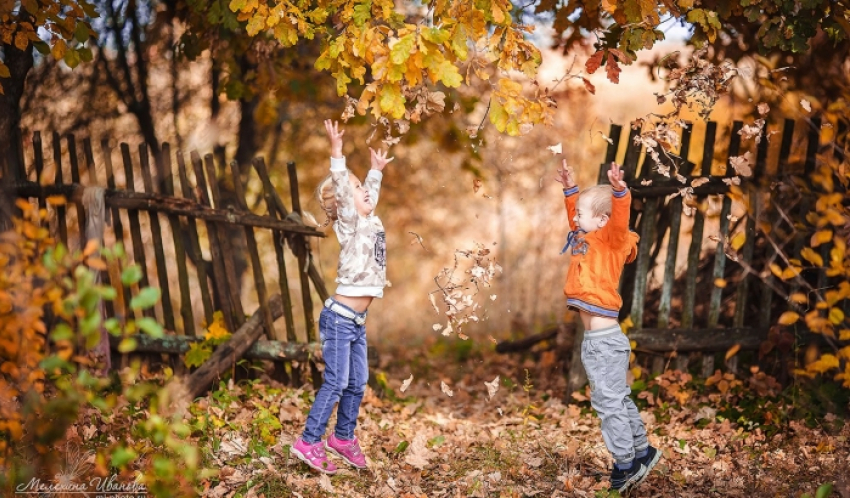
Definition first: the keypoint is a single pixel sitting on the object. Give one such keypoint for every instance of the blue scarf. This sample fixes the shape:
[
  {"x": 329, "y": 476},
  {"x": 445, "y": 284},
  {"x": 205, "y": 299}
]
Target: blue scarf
[{"x": 575, "y": 240}]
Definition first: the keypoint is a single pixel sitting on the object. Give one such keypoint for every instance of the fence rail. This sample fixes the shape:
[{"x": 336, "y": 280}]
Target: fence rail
[{"x": 159, "y": 219}]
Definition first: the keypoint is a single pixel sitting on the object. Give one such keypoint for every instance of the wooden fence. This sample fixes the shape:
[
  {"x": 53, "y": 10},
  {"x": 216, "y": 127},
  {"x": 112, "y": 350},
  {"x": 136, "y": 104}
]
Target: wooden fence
[
  {"x": 210, "y": 193},
  {"x": 709, "y": 316}
]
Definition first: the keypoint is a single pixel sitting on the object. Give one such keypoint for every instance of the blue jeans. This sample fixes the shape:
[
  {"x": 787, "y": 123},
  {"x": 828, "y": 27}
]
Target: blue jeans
[
  {"x": 346, "y": 373},
  {"x": 605, "y": 355}
]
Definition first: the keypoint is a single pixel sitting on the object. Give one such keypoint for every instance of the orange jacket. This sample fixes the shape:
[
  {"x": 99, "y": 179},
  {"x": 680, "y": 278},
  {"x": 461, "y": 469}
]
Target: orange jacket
[{"x": 598, "y": 258}]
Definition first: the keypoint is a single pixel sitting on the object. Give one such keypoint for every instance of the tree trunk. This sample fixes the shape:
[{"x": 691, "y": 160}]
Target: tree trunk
[{"x": 20, "y": 63}]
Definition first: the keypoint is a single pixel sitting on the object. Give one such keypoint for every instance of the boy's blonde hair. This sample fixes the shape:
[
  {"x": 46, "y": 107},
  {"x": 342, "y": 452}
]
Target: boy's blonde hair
[
  {"x": 327, "y": 200},
  {"x": 600, "y": 195}
]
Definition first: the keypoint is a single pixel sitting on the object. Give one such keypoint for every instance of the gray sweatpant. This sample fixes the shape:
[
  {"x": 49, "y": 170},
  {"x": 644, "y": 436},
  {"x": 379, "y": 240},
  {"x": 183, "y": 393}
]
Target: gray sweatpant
[{"x": 605, "y": 355}]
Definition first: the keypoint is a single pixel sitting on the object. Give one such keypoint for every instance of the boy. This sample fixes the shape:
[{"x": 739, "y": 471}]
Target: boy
[{"x": 601, "y": 244}]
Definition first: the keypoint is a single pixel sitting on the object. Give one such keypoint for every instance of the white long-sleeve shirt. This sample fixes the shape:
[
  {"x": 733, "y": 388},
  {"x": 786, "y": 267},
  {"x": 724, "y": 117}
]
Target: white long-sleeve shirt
[{"x": 362, "y": 269}]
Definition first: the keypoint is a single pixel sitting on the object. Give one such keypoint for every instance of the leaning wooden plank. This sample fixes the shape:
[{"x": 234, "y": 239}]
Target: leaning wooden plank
[
  {"x": 194, "y": 243},
  {"x": 274, "y": 199},
  {"x": 156, "y": 234},
  {"x": 117, "y": 224},
  {"x": 75, "y": 178},
  {"x": 135, "y": 225},
  {"x": 230, "y": 352},
  {"x": 170, "y": 205},
  {"x": 259, "y": 280},
  {"x": 60, "y": 210},
  {"x": 90, "y": 166},
  {"x": 219, "y": 276},
  {"x": 686, "y": 340},
  {"x": 179, "y": 251},
  {"x": 301, "y": 249},
  {"x": 261, "y": 349},
  {"x": 227, "y": 252},
  {"x": 38, "y": 155},
  {"x": 276, "y": 208}
]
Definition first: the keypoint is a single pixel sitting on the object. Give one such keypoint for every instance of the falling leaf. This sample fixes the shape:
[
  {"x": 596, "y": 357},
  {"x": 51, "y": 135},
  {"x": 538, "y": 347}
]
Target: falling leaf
[
  {"x": 732, "y": 181},
  {"x": 476, "y": 185},
  {"x": 493, "y": 339},
  {"x": 446, "y": 390},
  {"x": 763, "y": 108},
  {"x": 805, "y": 104},
  {"x": 714, "y": 238},
  {"x": 742, "y": 164},
  {"x": 492, "y": 387},
  {"x": 492, "y": 297},
  {"x": 555, "y": 149},
  {"x": 589, "y": 86},
  {"x": 697, "y": 182},
  {"x": 406, "y": 383},
  {"x": 733, "y": 351},
  {"x": 448, "y": 330},
  {"x": 732, "y": 218},
  {"x": 437, "y": 327},
  {"x": 606, "y": 138},
  {"x": 462, "y": 336},
  {"x": 720, "y": 283},
  {"x": 434, "y": 303},
  {"x": 646, "y": 183},
  {"x": 681, "y": 178}
]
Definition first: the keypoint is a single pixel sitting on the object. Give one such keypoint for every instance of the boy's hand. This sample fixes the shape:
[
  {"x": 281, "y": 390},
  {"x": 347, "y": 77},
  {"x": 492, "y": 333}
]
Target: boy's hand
[
  {"x": 379, "y": 158},
  {"x": 615, "y": 176},
  {"x": 332, "y": 127},
  {"x": 565, "y": 175}
]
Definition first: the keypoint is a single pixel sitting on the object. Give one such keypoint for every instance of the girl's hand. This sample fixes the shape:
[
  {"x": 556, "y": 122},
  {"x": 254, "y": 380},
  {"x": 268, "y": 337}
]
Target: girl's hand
[
  {"x": 615, "y": 176},
  {"x": 565, "y": 175},
  {"x": 335, "y": 134},
  {"x": 379, "y": 158}
]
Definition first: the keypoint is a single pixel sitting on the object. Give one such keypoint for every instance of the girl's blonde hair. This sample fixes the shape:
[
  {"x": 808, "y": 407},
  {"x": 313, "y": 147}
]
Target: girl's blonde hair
[
  {"x": 327, "y": 200},
  {"x": 600, "y": 203}
]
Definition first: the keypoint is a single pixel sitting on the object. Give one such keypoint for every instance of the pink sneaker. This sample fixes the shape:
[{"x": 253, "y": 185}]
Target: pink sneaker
[
  {"x": 313, "y": 455},
  {"x": 347, "y": 450}
]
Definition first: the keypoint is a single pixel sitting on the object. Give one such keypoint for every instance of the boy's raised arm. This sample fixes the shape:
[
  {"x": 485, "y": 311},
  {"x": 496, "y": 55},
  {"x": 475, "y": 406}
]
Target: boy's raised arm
[
  {"x": 565, "y": 178},
  {"x": 621, "y": 204}
]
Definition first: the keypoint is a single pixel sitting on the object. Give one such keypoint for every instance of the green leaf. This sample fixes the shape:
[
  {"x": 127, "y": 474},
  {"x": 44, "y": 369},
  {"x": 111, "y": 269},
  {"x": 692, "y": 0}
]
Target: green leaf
[
  {"x": 824, "y": 490},
  {"x": 196, "y": 356},
  {"x": 498, "y": 115},
  {"x": 400, "y": 51},
  {"x": 72, "y": 58},
  {"x": 62, "y": 332},
  {"x": 81, "y": 32},
  {"x": 401, "y": 447},
  {"x": 236, "y": 5},
  {"x": 256, "y": 24},
  {"x": 131, "y": 275},
  {"x": 121, "y": 456},
  {"x": 151, "y": 327},
  {"x": 107, "y": 292},
  {"x": 85, "y": 54},
  {"x": 392, "y": 101},
  {"x": 362, "y": 13},
  {"x": 146, "y": 298},
  {"x": 436, "y": 35},
  {"x": 127, "y": 345}
]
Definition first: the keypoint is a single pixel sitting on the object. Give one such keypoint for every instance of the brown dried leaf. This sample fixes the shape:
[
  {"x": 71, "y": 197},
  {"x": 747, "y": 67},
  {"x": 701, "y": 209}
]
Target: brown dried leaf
[{"x": 594, "y": 62}]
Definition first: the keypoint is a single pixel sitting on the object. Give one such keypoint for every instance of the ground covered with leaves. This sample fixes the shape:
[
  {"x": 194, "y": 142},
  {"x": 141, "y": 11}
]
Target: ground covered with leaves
[{"x": 474, "y": 423}]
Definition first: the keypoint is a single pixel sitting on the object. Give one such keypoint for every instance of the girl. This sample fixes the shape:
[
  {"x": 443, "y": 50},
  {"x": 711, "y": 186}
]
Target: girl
[{"x": 361, "y": 276}]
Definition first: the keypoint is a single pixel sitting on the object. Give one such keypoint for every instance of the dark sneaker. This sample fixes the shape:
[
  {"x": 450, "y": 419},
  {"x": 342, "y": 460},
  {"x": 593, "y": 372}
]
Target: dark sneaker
[
  {"x": 624, "y": 480},
  {"x": 649, "y": 460}
]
